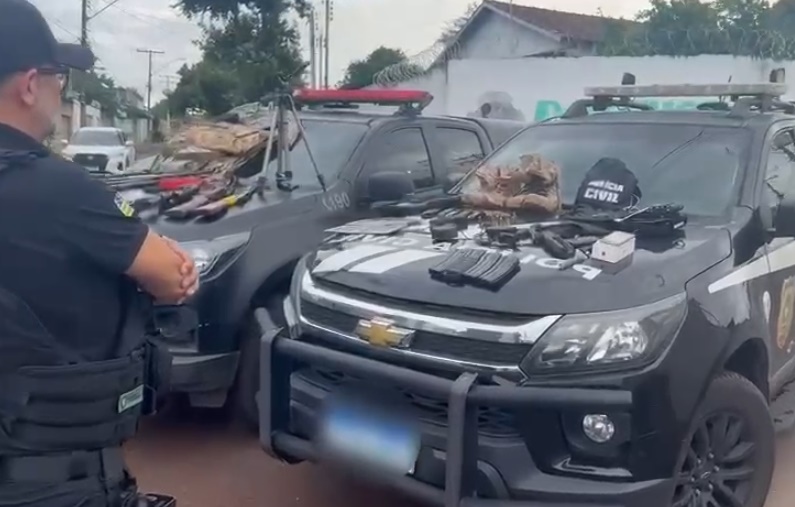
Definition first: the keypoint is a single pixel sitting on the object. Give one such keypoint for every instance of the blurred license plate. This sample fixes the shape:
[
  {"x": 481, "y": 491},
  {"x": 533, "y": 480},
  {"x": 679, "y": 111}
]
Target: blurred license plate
[{"x": 369, "y": 435}]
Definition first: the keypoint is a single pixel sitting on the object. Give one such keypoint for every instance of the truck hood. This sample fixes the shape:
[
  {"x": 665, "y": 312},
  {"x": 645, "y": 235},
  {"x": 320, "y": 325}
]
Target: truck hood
[
  {"x": 111, "y": 151},
  {"x": 396, "y": 267}
]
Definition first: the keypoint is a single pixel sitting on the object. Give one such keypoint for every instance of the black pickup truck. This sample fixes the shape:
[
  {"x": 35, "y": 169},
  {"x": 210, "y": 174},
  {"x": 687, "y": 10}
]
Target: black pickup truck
[
  {"x": 247, "y": 257},
  {"x": 528, "y": 364}
]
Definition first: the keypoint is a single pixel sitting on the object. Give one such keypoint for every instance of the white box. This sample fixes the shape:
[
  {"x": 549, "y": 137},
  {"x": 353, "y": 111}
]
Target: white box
[{"x": 614, "y": 247}]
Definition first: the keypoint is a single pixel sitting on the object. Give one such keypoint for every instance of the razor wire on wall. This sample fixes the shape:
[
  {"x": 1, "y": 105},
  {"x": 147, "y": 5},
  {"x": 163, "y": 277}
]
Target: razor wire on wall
[
  {"x": 417, "y": 65},
  {"x": 638, "y": 41}
]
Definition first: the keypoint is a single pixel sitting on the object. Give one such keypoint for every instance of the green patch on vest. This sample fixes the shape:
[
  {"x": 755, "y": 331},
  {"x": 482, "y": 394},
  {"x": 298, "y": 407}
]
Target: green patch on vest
[{"x": 131, "y": 398}]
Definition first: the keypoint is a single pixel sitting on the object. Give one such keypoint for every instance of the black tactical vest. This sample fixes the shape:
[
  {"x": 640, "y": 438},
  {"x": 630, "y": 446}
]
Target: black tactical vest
[{"x": 52, "y": 400}]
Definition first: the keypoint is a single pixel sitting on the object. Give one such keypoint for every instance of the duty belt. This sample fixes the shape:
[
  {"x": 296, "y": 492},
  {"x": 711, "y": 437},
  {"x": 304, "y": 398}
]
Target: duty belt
[
  {"x": 57, "y": 468},
  {"x": 52, "y": 409}
]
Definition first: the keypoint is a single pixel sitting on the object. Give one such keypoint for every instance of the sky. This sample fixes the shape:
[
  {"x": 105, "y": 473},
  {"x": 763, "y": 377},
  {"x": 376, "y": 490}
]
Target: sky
[{"x": 119, "y": 31}]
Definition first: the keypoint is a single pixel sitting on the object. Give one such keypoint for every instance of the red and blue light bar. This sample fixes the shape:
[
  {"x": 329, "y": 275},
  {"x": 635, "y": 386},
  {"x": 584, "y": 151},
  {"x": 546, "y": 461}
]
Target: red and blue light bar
[{"x": 313, "y": 96}]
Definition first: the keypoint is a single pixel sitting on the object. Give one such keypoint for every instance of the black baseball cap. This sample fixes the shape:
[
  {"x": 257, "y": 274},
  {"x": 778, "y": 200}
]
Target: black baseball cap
[{"x": 26, "y": 42}]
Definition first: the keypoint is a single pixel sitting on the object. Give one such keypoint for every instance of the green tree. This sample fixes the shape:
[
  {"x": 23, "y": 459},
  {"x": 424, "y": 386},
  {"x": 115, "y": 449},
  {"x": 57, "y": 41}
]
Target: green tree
[
  {"x": 681, "y": 28},
  {"x": 781, "y": 17},
  {"x": 693, "y": 27},
  {"x": 204, "y": 86},
  {"x": 248, "y": 49},
  {"x": 92, "y": 87},
  {"x": 360, "y": 73}
]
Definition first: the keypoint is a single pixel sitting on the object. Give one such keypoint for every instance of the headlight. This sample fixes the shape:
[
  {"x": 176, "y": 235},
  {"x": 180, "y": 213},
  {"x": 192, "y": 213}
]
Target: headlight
[
  {"x": 207, "y": 253},
  {"x": 609, "y": 339}
]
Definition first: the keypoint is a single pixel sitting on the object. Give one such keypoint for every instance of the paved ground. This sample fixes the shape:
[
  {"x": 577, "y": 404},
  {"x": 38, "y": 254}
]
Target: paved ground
[{"x": 206, "y": 463}]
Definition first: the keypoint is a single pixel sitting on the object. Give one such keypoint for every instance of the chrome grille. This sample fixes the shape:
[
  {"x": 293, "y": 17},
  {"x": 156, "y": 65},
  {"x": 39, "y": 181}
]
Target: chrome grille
[
  {"x": 436, "y": 344},
  {"x": 91, "y": 160}
]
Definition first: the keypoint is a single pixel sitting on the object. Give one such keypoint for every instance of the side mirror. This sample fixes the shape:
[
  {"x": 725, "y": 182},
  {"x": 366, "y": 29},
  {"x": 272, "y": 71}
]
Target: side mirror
[
  {"x": 784, "y": 225},
  {"x": 389, "y": 186},
  {"x": 452, "y": 180},
  {"x": 129, "y": 143}
]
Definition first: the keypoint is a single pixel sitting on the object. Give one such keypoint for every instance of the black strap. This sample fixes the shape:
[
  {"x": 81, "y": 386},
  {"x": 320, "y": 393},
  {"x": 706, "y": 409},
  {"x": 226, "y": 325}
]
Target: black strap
[{"x": 14, "y": 159}]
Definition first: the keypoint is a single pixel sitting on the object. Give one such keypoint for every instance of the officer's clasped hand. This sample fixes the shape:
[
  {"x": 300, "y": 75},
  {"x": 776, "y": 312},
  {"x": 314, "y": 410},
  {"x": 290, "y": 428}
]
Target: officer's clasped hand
[{"x": 190, "y": 277}]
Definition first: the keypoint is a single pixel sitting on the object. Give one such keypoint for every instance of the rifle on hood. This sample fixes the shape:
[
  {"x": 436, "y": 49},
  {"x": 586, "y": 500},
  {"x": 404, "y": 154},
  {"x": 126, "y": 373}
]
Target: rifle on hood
[
  {"x": 217, "y": 209},
  {"x": 214, "y": 191}
]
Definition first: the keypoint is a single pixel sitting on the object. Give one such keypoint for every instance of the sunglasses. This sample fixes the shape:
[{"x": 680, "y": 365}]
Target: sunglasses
[{"x": 61, "y": 73}]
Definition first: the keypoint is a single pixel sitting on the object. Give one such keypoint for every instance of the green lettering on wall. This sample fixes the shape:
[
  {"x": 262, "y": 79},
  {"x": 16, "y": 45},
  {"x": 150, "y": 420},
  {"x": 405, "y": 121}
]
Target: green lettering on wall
[{"x": 547, "y": 109}]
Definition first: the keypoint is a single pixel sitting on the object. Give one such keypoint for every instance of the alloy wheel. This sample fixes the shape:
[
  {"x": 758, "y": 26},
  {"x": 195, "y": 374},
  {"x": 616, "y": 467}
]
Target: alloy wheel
[{"x": 719, "y": 467}]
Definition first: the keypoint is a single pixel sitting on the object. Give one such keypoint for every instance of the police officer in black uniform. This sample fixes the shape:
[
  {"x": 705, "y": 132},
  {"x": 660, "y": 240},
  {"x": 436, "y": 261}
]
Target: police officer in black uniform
[{"x": 78, "y": 271}]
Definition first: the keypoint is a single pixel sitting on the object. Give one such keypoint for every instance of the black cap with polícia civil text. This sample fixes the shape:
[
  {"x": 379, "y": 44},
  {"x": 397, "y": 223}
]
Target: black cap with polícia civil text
[{"x": 26, "y": 42}]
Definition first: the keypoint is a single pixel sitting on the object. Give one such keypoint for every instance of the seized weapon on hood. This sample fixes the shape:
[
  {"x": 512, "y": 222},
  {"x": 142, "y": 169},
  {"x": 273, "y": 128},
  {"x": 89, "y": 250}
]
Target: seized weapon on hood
[
  {"x": 151, "y": 180},
  {"x": 215, "y": 190},
  {"x": 177, "y": 197},
  {"x": 219, "y": 208},
  {"x": 481, "y": 268},
  {"x": 166, "y": 200},
  {"x": 561, "y": 240}
]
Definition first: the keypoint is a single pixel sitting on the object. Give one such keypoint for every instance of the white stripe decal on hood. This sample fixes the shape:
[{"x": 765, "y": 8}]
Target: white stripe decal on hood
[
  {"x": 779, "y": 260},
  {"x": 388, "y": 262},
  {"x": 347, "y": 257}
]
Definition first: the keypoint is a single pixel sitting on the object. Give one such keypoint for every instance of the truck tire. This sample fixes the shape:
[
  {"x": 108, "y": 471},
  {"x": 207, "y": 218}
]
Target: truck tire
[
  {"x": 247, "y": 385},
  {"x": 729, "y": 455}
]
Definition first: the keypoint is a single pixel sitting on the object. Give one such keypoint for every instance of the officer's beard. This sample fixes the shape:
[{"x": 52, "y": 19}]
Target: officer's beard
[{"x": 46, "y": 113}]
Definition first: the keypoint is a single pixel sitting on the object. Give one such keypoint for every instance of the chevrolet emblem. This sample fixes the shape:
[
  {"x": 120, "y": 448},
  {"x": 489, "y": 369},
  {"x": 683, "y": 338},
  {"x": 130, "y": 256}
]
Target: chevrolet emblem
[{"x": 382, "y": 333}]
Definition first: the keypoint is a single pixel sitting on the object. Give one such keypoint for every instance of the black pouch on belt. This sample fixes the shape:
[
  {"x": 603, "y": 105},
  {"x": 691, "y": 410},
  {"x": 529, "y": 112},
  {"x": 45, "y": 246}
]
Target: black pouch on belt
[{"x": 158, "y": 374}]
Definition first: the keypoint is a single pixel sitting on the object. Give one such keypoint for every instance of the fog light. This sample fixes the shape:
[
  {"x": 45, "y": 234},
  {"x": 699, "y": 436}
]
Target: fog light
[{"x": 598, "y": 427}]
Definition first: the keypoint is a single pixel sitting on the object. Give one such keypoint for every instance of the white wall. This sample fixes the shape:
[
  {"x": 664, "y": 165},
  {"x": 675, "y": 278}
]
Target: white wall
[
  {"x": 75, "y": 115},
  {"x": 93, "y": 116},
  {"x": 136, "y": 129},
  {"x": 544, "y": 87}
]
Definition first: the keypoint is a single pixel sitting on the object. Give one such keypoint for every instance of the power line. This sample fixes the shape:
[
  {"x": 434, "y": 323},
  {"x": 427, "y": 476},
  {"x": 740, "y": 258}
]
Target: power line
[
  {"x": 62, "y": 27},
  {"x": 104, "y": 7},
  {"x": 165, "y": 65}
]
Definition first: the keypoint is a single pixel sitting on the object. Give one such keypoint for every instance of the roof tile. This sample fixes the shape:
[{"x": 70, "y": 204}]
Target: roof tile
[{"x": 581, "y": 27}]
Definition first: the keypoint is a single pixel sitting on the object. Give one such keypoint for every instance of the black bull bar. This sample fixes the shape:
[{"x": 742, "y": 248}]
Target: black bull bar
[{"x": 277, "y": 357}]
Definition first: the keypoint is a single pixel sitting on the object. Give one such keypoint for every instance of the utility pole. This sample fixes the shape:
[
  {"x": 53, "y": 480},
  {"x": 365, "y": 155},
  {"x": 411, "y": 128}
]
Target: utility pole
[
  {"x": 312, "y": 47},
  {"x": 84, "y": 23},
  {"x": 84, "y": 43},
  {"x": 320, "y": 45},
  {"x": 150, "y": 52},
  {"x": 329, "y": 6},
  {"x": 168, "y": 109}
]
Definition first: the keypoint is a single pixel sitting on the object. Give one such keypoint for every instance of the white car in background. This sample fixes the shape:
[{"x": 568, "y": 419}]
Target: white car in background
[{"x": 100, "y": 149}]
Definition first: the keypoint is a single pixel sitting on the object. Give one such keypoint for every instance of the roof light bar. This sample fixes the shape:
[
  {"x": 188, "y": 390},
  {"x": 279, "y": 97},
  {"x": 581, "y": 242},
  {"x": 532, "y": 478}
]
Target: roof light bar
[
  {"x": 688, "y": 90},
  {"x": 381, "y": 97}
]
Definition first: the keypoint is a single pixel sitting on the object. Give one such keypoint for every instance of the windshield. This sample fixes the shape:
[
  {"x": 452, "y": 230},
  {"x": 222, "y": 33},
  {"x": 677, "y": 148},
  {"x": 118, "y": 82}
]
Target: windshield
[
  {"x": 96, "y": 138},
  {"x": 332, "y": 144},
  {"x": 694, "y": 166}
]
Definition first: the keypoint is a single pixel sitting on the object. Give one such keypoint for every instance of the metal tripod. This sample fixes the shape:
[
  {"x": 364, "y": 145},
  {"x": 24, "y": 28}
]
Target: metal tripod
[{"x": 281, "y": 104}]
